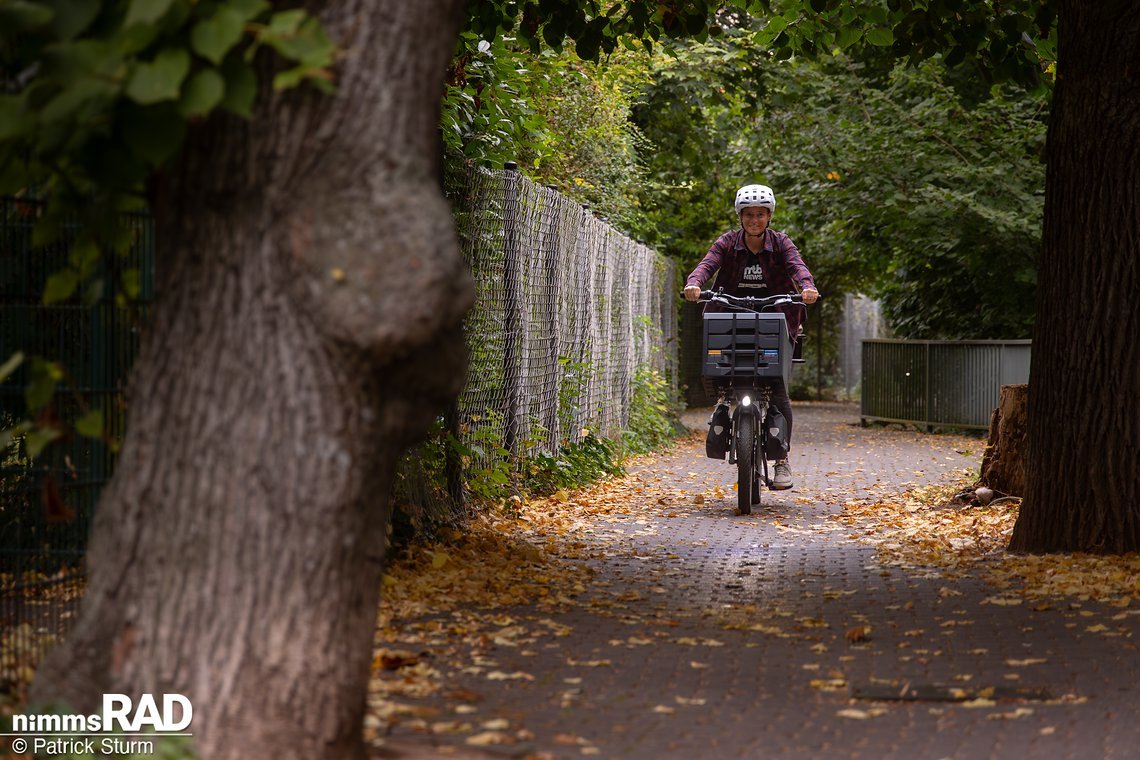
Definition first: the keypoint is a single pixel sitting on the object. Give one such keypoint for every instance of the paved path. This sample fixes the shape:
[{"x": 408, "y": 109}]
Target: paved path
[{"x": 710, "y": 635}]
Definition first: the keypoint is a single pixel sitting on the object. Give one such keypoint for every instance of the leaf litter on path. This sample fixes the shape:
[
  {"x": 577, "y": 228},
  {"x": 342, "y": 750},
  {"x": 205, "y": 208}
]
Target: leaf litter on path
[{"x": 537, "y": 555}]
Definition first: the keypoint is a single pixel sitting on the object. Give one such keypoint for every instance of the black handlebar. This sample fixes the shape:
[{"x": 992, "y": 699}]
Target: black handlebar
[{"x": 751, "y": 302}]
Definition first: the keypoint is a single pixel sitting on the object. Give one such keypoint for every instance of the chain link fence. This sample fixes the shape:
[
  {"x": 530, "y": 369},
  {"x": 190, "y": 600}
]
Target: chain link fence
[{"x": 567, "y": 311}]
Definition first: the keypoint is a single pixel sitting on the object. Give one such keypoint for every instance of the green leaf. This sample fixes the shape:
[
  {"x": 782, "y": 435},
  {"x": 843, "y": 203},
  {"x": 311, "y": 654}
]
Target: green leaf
[
  {"x": 286, "y": 23},
  {"x": 60, "y": 286},
  {"x": 91, "y": 424},
  {"x": 83, "y": 58},
  {"x": 880, "y": 37},
  {"x": 775, "y": 25},
  {"x": 204, "y": 91},
  {"x": 79, "y": 99},
  {"x": 289, "y": 78},
  {"x": 212, "y": 38},
  {"x": 848, "y": 36},
  {"x": 37, "y": 440},
  {"x": 315, "y": 75},
  {"x": 249, "y": 9},
  {"x": 241, "y": 88},
  {"x": 146, "y": 11},
  {"x": 11, "y": 365},
  {"x": 309, "y": 44},
  {"x": 876, "y": 16},
  {"x": 72, "y": 17},
  {"x": 84, "y": 257},
  {"x": 25, "y": 16},
  {"x": 133, "y": 40},
  {"x": 160, "y": 79},
  {"x": 131, "y": 281},
  {"x": 42, "y": 379},
  {"x": 14, "y": 118}
]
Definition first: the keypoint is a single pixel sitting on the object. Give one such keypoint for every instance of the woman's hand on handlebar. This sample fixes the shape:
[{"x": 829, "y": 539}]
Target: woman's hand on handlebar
[
  {"x": 693, "y": 293},
  {"x": 811, "y": 295}
]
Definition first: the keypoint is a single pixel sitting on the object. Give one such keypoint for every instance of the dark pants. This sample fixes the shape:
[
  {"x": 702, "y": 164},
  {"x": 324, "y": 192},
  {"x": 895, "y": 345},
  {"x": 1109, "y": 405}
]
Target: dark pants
[{"x": 781, "y": 401}]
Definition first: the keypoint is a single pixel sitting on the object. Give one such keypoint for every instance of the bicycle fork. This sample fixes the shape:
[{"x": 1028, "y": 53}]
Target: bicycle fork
[{"x": 758, "y": 407}]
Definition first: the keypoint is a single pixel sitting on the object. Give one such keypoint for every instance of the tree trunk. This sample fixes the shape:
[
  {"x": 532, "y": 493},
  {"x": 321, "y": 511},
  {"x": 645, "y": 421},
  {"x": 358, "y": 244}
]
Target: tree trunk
[
  {"x": 1084, "y": 390},
  {"x": 1003, "y": 466},
  {"x": 307, "y": 328}
]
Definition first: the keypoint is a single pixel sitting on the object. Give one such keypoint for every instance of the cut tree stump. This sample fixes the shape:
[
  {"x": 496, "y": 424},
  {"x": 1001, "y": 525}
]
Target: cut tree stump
[{"x": 1003, "y": 465}]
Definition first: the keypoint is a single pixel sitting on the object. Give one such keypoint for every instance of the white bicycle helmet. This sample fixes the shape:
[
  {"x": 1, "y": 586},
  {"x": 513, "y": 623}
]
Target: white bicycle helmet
[{"x": 755, "y": 195}]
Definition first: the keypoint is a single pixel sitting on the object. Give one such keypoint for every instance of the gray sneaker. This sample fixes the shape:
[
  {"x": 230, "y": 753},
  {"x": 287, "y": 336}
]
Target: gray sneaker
[{"x": 782, "y": 480}]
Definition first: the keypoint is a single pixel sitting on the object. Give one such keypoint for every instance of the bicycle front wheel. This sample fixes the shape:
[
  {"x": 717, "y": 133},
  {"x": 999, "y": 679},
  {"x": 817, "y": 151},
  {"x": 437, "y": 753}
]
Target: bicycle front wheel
[{"x": 745, "y": 461}]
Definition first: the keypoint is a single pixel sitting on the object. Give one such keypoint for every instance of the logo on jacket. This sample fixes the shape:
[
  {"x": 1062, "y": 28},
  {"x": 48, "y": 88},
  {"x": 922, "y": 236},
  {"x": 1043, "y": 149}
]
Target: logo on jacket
[{"x": 753, "y": 277}]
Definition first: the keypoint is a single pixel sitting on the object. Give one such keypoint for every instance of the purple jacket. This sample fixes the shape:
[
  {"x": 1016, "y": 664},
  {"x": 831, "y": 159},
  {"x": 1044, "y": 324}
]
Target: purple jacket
[{"x": 783, "y": 270}]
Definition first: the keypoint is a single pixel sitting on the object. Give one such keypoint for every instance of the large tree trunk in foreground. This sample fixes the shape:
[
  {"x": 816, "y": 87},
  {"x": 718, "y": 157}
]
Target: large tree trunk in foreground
[
  {"x": 1084, "y": 388},
  {"x": 1003, "y": 466},
  {"x": 307, "y": 328}
]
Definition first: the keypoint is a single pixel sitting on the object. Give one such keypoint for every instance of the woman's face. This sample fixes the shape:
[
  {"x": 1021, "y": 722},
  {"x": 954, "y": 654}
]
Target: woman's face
[{"x": 755, "y": 219}]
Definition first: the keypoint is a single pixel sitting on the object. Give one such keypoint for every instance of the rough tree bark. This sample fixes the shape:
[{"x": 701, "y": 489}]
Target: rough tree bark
[
  {"x": 1084, "y": 390},
  {"x": 306, "y": 329},
  {"x": 1003, "y": 466}
]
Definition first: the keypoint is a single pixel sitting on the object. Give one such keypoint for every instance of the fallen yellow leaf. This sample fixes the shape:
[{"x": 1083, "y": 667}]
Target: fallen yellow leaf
[{"x": 488, "y": 738}]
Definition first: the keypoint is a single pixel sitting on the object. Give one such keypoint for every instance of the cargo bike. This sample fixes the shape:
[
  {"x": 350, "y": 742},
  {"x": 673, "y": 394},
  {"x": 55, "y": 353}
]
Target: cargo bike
[{"x": 748, "y": 355}]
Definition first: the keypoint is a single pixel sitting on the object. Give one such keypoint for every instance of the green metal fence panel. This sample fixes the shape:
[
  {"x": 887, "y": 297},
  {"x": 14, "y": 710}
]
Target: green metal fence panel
[
  {"x": 46, "y": 506},
  {"x": 939, "y": 383}
]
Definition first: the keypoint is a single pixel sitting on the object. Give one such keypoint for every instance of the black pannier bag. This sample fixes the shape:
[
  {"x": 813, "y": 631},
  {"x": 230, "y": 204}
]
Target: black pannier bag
[
  {"x": 720, "y": 424},
  {"x": 776, "y": 430}
]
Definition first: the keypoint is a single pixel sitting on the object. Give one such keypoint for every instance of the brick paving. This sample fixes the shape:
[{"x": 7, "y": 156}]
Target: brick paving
[{"x": 708, "y": 634}]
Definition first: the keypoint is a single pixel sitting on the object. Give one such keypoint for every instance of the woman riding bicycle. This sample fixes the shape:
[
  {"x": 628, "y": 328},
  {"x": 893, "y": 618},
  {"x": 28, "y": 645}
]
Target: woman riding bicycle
[{"x": 758, "y": 261}]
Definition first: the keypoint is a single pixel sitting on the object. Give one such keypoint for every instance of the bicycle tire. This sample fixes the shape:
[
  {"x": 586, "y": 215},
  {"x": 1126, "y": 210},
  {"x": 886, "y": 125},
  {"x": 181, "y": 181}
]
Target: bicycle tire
[{"x": 745, "y": 461}]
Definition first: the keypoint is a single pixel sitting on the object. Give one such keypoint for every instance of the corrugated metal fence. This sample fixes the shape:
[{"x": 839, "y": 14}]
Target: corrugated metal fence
[{"x": 939, "y": 383}]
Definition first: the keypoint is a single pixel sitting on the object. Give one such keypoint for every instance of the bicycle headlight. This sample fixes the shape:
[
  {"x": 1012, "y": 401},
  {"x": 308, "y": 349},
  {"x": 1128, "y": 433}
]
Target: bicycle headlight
[{"x": 746, "y": 401}]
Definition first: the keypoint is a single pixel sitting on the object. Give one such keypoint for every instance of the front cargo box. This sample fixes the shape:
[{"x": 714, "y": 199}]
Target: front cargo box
[{"x": 741, "y": 346}]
